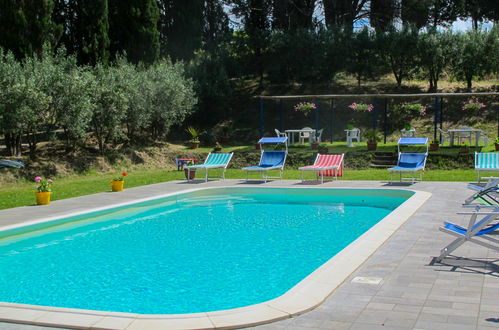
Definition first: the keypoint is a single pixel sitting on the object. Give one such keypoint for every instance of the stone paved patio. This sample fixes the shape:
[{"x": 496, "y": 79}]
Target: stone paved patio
[{"x": 413, "y": 293}]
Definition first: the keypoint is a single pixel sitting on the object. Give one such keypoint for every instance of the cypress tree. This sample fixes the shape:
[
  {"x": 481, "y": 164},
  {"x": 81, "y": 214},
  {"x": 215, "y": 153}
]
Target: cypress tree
[
  {"x": 181, "y": 27},
  {"x": 26, "y": 25},
  {"x": 133, "y": 28},
  {"x": 92, "y": 28},
  {"x": 381, "y": 14},
  {"x": 290, "y": 15}
]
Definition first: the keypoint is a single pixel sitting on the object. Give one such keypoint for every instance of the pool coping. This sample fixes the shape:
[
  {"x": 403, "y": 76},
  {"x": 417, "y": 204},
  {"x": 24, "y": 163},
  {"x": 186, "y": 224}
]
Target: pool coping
[{"x": 309, "y": 293}]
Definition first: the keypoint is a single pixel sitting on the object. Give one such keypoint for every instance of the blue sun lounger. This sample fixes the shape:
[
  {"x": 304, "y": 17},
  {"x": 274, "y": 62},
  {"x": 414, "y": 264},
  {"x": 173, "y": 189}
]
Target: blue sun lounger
[
  {"x": 410, "y": 162},
  {"x": 476, "y": 232},
  {"x": 269, "y": 159},
  {"x": 214, "y": 160}
]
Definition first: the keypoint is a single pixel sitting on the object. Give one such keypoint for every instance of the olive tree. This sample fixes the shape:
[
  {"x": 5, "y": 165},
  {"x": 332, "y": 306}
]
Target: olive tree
[
  {"x": 110, "y": 106},
  {"x": 469, "y": 57}
]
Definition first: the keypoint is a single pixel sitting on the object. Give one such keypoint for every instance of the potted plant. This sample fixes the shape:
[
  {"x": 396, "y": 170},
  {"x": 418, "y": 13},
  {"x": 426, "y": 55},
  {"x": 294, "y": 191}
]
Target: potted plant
[
  {"x": 372, "y": 136},
  {"x": 472, "y": 104},
  {"x": 218, "y": 147},
  {"x": 434, "y": 145},
  {"x": 407, "y": 127},
  {"x": 305, "y": 107},
  {"x": 194, "y": 137},
  {"x": 496, "y": 144},
  {"x": 361, "y": 107},
  {"x": 190, "y": 175},
  {"x": 44, "y": 189},
  {"x": 322, "y": 149},
  {"x": 118, "y": 182},
  {"x": 464, "y": 149}
]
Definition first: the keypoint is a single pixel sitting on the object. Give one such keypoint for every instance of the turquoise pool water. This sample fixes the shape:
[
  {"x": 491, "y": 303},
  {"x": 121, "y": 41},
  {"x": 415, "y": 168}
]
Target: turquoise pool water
[{"x": 207, "y": 250}]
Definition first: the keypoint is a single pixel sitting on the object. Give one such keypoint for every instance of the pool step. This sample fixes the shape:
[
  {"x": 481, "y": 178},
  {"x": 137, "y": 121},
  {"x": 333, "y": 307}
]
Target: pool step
[{"x": 384, "y": 160}]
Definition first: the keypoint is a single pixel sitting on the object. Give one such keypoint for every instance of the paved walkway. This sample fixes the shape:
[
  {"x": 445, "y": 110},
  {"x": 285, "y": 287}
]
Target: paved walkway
[{"x": 412, "y": 293}]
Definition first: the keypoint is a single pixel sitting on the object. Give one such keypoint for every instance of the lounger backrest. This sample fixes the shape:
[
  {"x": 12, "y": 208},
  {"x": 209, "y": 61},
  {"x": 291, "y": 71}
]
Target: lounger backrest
[
  {"x": 328, "y": 160},
  {"x": 412, "y": 160},
  {"x": 273, "y": 158},
  {"x": 487, "y": 160},
  {"x": 218, "y": 159}
]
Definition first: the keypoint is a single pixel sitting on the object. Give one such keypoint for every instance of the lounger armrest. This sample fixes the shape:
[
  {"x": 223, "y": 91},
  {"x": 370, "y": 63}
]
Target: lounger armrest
[
  {"x": 479, "y": 206},
  {"x": 479, "y": 213}
]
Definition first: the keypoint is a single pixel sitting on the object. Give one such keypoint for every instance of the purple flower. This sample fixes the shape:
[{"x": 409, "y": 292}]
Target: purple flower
[{"x": 38, "y": 179}]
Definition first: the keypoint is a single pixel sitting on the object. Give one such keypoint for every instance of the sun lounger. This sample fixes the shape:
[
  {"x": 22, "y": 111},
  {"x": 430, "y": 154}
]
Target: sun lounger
[
  {"x": 269, "y": 160},
  {"x": 486, "y": 161},
  {"x": 487, "y": 195},
  {"x": 325, "y": 166},
  {"x": 476, "y": 232},
  {"x": 214, "y": 160},
  {"x": 409, "y": 163}
]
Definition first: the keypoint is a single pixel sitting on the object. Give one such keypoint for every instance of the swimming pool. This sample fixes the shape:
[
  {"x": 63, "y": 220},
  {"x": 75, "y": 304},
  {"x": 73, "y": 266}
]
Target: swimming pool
[{"x": 202, "y": 251}]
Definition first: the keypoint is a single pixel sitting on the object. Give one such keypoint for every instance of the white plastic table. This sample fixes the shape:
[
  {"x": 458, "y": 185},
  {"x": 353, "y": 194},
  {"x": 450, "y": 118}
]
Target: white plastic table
[
  {"x": 456, "y": 131},
  {"x": 291, "y": 134}
]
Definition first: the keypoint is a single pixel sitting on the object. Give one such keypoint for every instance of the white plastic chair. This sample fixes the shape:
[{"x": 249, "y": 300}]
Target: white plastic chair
[
  {"x": 318, "y": 135},
  {"x": 443, "y": 135},
  {"x": 279, "y": 133},
  {"x": 353, "y": 134},
  {"x": 304, "y": 135}
]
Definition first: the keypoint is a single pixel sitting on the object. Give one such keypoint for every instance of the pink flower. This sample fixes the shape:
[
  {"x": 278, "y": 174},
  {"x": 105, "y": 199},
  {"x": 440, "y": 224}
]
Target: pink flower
[
  {"x": 50, "y": 180},
  {"x": 38, "y": 179}
]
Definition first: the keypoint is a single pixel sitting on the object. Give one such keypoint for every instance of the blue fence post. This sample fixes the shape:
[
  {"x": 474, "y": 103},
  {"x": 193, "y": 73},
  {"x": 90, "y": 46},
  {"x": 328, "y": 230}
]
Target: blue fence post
[
  {"x": 262, "y": 119},
  {"x": 331, "y": 124},
  {"x": 317, "y": 115},
  {"x": 435, "y": 120},
  {"x": 281, "y": 117},
  {"x": 385, "y": 119}
]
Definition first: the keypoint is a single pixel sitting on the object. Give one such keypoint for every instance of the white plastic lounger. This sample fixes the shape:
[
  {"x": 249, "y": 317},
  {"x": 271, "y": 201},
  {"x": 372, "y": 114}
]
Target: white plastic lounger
[
  {"x": 269, "y": 159},
  {"x": 214, "y": 160},
  {"x": 476, "y": 232},
  {"x": 325, "y": 166},
  {"x": 410, "y": 162},
  {"x": 486, "y": 161}
]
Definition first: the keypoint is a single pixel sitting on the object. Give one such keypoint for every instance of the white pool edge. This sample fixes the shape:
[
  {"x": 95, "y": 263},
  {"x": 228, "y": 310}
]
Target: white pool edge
[{"x": 306, "y": 295}]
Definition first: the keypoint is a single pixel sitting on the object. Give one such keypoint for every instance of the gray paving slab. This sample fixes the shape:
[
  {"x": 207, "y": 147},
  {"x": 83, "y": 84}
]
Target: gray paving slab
[{"x": 414, "y": 293}]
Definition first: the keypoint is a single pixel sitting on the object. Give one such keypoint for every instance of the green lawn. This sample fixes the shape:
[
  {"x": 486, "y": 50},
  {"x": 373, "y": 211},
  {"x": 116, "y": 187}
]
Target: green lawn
[{"x": 22, "y": 193}]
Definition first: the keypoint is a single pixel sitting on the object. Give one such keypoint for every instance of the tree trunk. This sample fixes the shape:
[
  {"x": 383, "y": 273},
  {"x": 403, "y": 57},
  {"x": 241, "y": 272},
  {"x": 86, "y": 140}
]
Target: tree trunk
[{"x": 468, "y": 83}]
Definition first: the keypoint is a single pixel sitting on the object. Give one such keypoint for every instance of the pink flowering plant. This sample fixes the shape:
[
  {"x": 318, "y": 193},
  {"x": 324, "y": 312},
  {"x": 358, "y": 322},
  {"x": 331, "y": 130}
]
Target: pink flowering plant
[
  {"x": 414, "y": 108},
  {"x": 472, "y": 104},
  {"x": 305, "y": 107},
  {"x": 44, "y": 185},
  {"x": 361, "y": 107}
]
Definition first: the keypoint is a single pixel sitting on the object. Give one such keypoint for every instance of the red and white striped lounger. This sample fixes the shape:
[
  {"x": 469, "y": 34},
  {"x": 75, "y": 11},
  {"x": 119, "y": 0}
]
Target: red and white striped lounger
[{"x": 325, "y": 166}]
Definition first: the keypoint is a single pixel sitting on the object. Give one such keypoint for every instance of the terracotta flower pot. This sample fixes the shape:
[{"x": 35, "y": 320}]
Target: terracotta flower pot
[
  {"x": 117, "y": 185},
  {"x": 434, "y": 146},
  {"x": 194, "y": 145},
  {"x": 372, "y": 145},
  {"x": 190, "y": 175},
  {"x": 43, "y": 198},
  {"x": 315, "y": 145}
]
